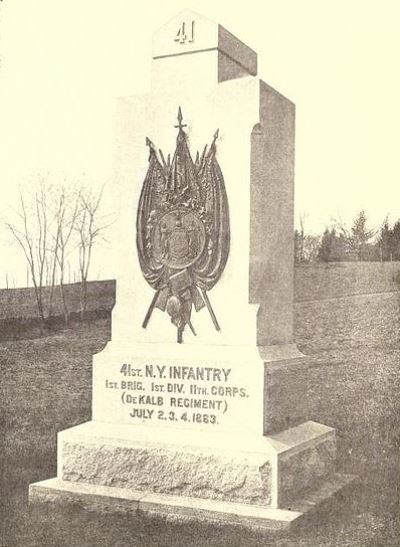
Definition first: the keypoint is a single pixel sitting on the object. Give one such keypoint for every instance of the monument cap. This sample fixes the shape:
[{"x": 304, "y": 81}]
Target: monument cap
[{"x": 190, "y": 33}]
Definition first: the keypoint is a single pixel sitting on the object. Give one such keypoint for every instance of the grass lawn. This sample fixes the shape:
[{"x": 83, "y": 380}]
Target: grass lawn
[{"x": 354, "y": 386}]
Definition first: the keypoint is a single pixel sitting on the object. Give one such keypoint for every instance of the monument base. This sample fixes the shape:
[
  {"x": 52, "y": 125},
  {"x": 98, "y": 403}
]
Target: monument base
[
  {"x": 182, "y": 509},
  {"x": 266, "y": 482}
]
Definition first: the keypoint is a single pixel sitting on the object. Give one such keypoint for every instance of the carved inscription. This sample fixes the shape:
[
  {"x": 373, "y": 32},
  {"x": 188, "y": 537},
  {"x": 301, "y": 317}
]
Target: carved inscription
[
  {"x": 185, "y": 33},
  {"x": 180, "y": 394}
]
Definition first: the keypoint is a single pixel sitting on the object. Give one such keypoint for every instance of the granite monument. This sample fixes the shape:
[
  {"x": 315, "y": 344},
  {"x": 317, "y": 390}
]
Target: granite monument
[{"x": 194, "y": 412}]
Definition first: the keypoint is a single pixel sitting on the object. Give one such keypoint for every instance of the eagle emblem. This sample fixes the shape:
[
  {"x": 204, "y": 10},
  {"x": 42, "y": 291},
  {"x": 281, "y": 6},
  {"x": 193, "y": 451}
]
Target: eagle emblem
[{"x": 182, "y": 230}]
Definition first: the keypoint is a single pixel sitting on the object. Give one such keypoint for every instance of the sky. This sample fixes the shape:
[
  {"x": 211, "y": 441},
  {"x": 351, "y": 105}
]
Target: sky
[{"x": 64, "y": 63}]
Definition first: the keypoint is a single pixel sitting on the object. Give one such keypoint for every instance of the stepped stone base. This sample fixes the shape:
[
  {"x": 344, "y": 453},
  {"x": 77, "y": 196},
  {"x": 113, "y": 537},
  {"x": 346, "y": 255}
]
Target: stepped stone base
[
  {"x": 202, "y": 475},
  {"x": 184, "y": 509}
]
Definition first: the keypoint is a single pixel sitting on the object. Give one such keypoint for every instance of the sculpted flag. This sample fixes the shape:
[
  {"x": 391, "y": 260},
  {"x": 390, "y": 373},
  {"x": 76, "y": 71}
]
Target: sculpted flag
[{"x": 182, "y": 230}]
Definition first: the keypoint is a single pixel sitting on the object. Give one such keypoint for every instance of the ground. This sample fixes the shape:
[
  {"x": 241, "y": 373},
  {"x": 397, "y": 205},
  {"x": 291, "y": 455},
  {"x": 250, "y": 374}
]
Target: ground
[{"x": 354, "y": 386}]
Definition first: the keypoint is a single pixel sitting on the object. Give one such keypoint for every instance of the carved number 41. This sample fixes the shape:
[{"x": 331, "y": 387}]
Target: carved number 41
[{"x": 181, "y": 35}]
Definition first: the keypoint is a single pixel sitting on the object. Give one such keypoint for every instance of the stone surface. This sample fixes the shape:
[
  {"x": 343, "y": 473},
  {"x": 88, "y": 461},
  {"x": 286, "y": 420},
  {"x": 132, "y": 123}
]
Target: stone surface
[
  {"x": 286, "y": 401},
  {"x": 106, "y": 499},
  {"x": 193, "y": 473},
  {"x": 165, "y": 390},
  {"x": 271, "y": 226},
  {"x": 306, "y": 457},
  {"x": 253, "y": 300},
  {"x": 300, "y": 472},
  {"x": 194, "y": 38},
  {"x": 257, "y": 165},
  {"x": 154, "y": 115},
  {"x": 268, "y": 471}
]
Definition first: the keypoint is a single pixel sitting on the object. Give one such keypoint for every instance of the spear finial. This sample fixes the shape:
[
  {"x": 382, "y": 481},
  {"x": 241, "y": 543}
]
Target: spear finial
[
  {"x": 180, "y": 125},
  {"x": 150, "y": 144}
]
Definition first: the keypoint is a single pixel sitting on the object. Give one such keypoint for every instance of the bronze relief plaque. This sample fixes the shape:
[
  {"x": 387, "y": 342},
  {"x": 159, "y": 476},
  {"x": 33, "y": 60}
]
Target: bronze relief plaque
[{"x": 182, "y": 230}]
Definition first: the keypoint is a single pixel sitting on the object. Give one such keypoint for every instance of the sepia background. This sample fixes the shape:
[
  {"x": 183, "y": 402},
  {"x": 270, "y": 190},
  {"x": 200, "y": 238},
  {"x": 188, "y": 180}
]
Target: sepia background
[{"x": 64, "y": 63}]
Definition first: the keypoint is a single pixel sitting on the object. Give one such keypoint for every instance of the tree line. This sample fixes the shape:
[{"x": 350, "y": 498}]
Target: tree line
[
  {"x": 341, "y": 243},
  {"x": 52, "y": 225}
]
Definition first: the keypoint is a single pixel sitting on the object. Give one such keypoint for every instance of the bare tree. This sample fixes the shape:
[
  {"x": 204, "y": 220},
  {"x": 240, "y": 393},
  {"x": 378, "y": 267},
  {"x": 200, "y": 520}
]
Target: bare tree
[
  {"x": 52, "y": 223},
  {"x": 90, "y": 226},
  {"x": 66, "y": 216},
  {"x": 31, "y": 232}
]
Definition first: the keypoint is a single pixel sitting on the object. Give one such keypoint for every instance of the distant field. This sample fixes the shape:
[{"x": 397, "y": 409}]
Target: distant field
[
  {"x": 311, "y": 282},
  {"x": 21, "y": 303},
  {"x": 340, "y": 279}
]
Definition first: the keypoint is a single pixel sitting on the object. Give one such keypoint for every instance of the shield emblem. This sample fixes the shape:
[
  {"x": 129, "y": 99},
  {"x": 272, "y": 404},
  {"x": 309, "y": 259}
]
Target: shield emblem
[{"x": 178, "y": 244}]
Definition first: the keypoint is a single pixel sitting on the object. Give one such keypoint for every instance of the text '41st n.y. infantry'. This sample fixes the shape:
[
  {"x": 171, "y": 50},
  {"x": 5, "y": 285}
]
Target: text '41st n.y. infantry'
[{"x": 182, "y": 230}]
